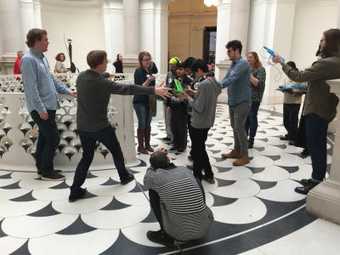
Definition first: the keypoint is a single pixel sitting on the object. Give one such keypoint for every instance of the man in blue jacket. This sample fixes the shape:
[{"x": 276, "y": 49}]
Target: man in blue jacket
[{"x": 237, "y": 81}]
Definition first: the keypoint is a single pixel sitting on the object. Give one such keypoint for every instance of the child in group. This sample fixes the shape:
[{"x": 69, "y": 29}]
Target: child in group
[{"x": 178, "y": 105}]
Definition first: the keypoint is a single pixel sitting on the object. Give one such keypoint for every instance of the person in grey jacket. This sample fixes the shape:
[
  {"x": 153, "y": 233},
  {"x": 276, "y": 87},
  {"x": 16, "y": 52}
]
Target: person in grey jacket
[
  {"x": 94, "y": 92},
  {"x": 203, "y": 103},
  {"x": 177, "y": 200}
]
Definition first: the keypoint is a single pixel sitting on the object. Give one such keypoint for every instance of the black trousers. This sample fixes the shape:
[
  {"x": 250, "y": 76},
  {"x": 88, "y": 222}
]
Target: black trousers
[
  {"x": 106, "y": 136},
  {"x": 48, "y": 141},
  {"x": 199, "y": 153},
  {"x": 252, "y": 122},
  {"x": 155, "y": 204},
  {"x": 291, "y": 119},
  {"x": 316, "y": 134},
  {"x": 179, "y": 122}
]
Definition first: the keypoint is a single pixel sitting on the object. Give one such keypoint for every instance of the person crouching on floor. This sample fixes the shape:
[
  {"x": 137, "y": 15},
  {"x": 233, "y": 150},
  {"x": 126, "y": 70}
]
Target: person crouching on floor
[{"x": 177, "y": 200}]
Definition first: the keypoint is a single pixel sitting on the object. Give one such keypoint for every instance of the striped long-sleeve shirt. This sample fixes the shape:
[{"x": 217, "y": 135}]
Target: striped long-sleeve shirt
[{"x": 184, "y": 212}]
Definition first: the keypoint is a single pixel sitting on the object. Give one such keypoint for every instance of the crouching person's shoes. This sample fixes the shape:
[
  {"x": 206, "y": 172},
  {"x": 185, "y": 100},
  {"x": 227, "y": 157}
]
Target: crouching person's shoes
[
  {"x": 209, "y": 179},
  {"x": 232, "y": 154},
  {"x": 307, "y": 186},
  {"x": 160, "y": 237},
  {"x": 77, "y": 194},
  {"x": 244, "y": 160}
]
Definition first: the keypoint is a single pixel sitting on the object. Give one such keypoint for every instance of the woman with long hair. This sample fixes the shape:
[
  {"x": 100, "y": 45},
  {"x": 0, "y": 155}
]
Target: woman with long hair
[
  {"x": 143, "y": 77},
  {"x": 59, "y": 65},
  {"x": 257, "y": 82},
  {"x": 320, "y": 104}
]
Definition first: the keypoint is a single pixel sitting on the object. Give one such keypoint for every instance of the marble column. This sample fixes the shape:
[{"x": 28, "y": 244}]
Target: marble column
[
  {"x": 12, "y": 39},
  {"x": 30, "y": 15},
  {"x": 131, "y": 34},
  {"x": 324, "y": 200}
]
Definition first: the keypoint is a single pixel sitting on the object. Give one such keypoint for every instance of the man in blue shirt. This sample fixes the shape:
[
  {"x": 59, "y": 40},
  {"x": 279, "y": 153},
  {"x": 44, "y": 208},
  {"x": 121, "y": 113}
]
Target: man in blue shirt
[
  {"x": 237, "y": 81},
  {"x": 41, "y": 90}
]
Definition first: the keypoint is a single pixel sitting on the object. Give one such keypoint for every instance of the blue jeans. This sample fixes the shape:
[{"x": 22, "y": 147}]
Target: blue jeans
[
  {"x": 316, "y": 134},
  {"x": 143, "y": 115},
  {"x": 252, "y": 122}
]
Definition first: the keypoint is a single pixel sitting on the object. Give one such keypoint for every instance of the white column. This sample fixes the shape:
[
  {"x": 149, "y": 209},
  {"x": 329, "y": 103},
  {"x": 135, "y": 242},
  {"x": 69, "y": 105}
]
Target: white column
[
  {"x": 12, "y": 37},
  {"x": 273, "y": 26},
  {"x": 113, "y": 26},
  {"x": 324, "y": 200},
  {"x": 131, "y": 34},
  {"x": 222, "y": 36},
  {"x": 338, "y": 23},
  {"x": 30, "y": 15}
]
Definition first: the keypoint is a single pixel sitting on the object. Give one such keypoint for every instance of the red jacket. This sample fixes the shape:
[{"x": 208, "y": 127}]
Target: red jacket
[{"x": 16, "y": 68}]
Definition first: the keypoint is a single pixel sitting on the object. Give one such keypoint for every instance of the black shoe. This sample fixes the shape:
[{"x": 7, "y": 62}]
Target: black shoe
[
  {"x": 52, "y": 176},
  {"x": 76, "y": 195},
  {"x": 284, "y": 138},
  {"x": 209, "y": 179},
  {"x": 292, "y": 143},
  {"x": 160, "y": 237},
  {"x": 251, "y": 143},
  {"x": 304, "y": 153},
  {"x": 306, "y": 188},
  {"x": 40, "y": 172},
  {"x": 166, "y": 139},
  {"x": 190, "y": 158},
  {"x": 127, "y": 180}
]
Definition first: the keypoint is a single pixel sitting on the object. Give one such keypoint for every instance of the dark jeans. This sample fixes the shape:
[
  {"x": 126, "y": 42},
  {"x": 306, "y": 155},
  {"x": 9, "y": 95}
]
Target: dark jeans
[
  {"x": 291, "y": 119},
  {"x": 300, "y": 140},
  {"x": 179, "y": 118},
  {"x": 316, "y": 134},
  {"x": 252, "y": 122},
  {"x": 106, "y": 136},
  {"x": 144, "y": 115},
  {"x": 199, "y": 154},
  {"x": 48, "y": 141}
]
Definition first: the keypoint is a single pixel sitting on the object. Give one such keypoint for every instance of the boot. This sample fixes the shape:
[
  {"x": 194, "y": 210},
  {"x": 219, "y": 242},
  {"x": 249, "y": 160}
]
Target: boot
[
  {"x": 147, "y": 140},
  {"x": 251, "y": 143},
  {"x": 244, "y": 160},
  {"x": 232, "y": 154},
  {"x": 140, "y": 136}
]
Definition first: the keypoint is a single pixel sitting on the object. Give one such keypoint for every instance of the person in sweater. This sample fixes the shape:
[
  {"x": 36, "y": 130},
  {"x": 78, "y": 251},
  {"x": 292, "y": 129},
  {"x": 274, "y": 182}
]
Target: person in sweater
[
  {"x": 257, "y": 82},
  {"x": 237, "y": 80},
  {"x": 141, "y": 103},
  {"x": 291, "y": 107},
  {"x": 181, "y": 212},
  {"x": 17, "y": 64},
  {"x": 203, "y": 103},
  {"x": 41, "y": 90},
  {"x": 320, "y": 104},
  {"x": 94, "y": 92}
]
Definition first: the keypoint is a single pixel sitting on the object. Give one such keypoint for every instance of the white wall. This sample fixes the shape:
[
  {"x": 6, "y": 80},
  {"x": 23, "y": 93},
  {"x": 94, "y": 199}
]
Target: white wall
[
  {"x": 312, "y": 18},
  {"x": 84, "y": 24}
]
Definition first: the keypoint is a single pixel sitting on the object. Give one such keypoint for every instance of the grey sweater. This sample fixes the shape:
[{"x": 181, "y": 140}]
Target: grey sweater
[
  {"x": 94, "y": 93},
  {"x": 204, "y": 104}
]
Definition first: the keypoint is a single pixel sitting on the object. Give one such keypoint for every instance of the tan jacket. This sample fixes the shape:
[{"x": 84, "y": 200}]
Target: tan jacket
[{"x": 318, "y": 99}]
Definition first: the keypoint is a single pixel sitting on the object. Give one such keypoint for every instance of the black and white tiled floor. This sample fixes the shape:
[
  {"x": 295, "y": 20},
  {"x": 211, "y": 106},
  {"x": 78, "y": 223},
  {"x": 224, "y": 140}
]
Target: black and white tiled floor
[{"x": 252, "y": 205}]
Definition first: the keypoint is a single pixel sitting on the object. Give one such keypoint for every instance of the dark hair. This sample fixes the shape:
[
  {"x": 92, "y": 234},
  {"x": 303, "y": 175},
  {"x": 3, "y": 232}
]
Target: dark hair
[
  {"x": 200, "y": 64},
  {"x": 58, "y": 57},
  {"x": 117, "y": 58},
  {"x": 258, "y": 63},
  {"x": 235, "y": 45},
  {"x": 159, "y": 159},
  {"x": 332, "y": 43},
  {"x": 34, "y": 35},
  {"x": 180, "y": 65},
  {"x": 95, "y": 58},
  {"x": 292, "y": 65},
  {"x": 142, "y": 55},
  {"x": 189, "y": 62}
]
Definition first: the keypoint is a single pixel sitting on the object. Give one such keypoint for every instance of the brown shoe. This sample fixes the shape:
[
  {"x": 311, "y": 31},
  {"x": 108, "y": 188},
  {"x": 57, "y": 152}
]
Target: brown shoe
[
  {"x": 140, "y": 135},
  {"x": 232, "y": 154},
  {"x": 244, "y": 160},
  {"x": 147, "y": 140}
]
